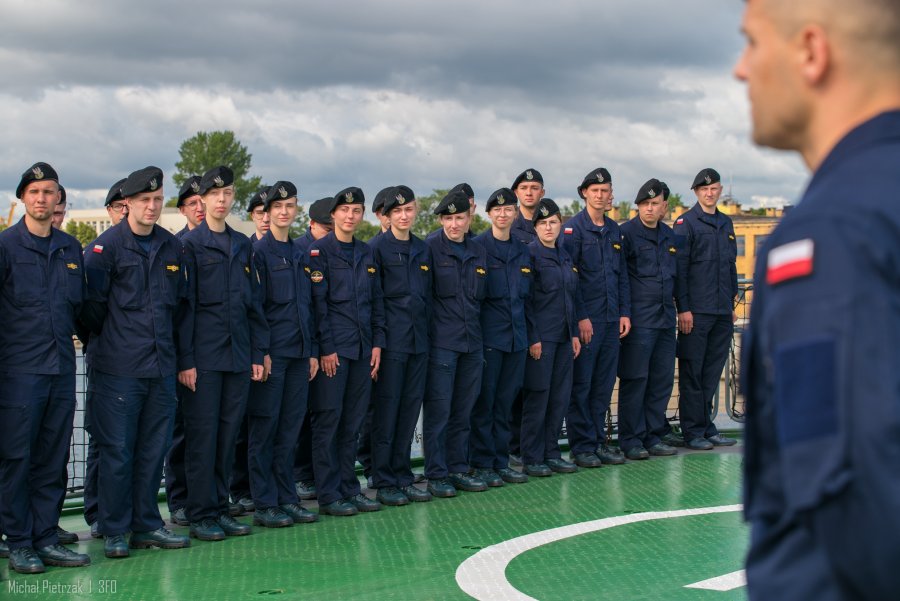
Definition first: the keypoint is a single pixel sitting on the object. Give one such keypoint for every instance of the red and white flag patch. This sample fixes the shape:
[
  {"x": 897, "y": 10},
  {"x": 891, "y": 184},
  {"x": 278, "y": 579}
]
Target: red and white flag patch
[
  {"x": 98, "y": 249},
  {"x": 314, "y": 252},
  {"x": 568, "y": 230},
  {"x": 679, "y": 221},
  {"x": 790, "y": 261}
]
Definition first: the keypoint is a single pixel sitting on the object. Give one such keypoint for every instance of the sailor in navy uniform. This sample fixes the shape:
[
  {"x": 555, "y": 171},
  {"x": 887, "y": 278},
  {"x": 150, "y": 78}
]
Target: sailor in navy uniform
[
  {"x": 403, "y": 263},
  {"x": 647, "y": 355},
  {"x": 595, "y": 244},
  {"x": 553, "y": 345},
  {"x": 705, "y": 293},
  {"x": 349, "y": 313},
  {"x": 190, "y": 204},
  {"x": 456, "y": 356},
  {"x": 136, "y": 296},
  {"x": 41, "y": 293},
  {"x": 504, "y": 331},
  {"x": 529, "y": 190}
]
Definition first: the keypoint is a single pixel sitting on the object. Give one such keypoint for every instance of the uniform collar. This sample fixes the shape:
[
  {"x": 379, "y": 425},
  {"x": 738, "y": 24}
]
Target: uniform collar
[
  {"x": 705, "y": 217},
  {"x": 589, "y": 223},
  {"x": 333, "y": 246},
  {"x": 206, "y": 238},
  {"x": 655, "y": 235},
  {"x": 521, "y": 223},
  {"x": 56, "y": 240},
  {"x": 275, "y": 248},
  {"x": 490, "y": 243},
  {"x": 882, "y": 127},
  {"x": 467, "y": 245}
]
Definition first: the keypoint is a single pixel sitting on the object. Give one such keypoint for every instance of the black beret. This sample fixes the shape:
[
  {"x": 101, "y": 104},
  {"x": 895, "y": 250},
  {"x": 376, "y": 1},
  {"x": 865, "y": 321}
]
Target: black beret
[
  {"x": 598, "y": 176},
  {"x": 529, "y": 175},
  {"x": 706, "y": 177},
  {"x": 397, "y": 197},
  {"x": 148, "y": 179},
  {"x": 349, "y": 196},
  {"x": 378, "y": 203},
  {"x": 320, "y": 211},
  {"x": 62, "y": 194},
  {"x": 217, "y": 177},
  {"x": 651, "y": 189},
  {"x": 501, "y": 198},
  {"x": 115, "y": 192},
  {"x": 455, "y": 202},
  {"x": 280, "y": 190},
  {"x": 258, "y": 199},
  {"x": 546, "y": 208},
  {"x": 190, "y": 187},
  {"x": 465, "y": 189},
  {"x": 36, "y": 173},
  {"x": 665, "y": 189}
]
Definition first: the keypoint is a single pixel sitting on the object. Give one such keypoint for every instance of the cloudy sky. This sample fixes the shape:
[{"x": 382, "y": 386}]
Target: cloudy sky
[{"x": 372, "y": 94}]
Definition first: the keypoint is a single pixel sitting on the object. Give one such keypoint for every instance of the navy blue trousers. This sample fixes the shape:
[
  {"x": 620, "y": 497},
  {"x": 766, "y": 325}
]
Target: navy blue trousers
[
  {"x": 400, "y": 390},
  {"x": 593, "y": 381},
  {"x": 646, "y": 376},
  {"x": 451, "y": 388},
  {"x": 132, "y": 419},
  {"x": 240, "y": 471},
  {"x": 92, "y": 461},
  {"x": 545, "y": 400},
  {"x": 275, "y": 412},
  {"x": 501, "y": 381},
  {"x": 338, "y": 408},
  {"x": 176, "y": 484},
  {"x": 701, "y": 359},
  {"x": 212, "y": 418},
  {"x": 303, "y": 469},
  {"x": 36, "y": 413}
]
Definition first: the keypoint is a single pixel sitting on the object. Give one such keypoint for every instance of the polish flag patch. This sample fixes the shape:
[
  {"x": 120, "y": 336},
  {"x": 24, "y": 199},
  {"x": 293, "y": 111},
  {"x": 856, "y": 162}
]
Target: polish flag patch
[
  {"x": 98, "y": 249},
  {"x": 314, "y": 252},
  {"x": 568, "y": 230},
  {"x": 679, "y": 221},
  {"x": 790, "y": 261}
]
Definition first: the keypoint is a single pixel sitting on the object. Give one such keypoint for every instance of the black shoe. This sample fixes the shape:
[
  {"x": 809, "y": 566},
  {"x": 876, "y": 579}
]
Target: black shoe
[
  {"x": 419, "y": 478},
  {"x": 637, "y": 453},
  {"x": 490, "y": 477},
  {"x": 207, "y": 529},
  {"x": 247, "y": 504},
  {"x": 673, "y": 440},
  {"x": 416, "y": 495},
  {"x": 338, "y": 508},
  {"x": 25, "y": 561},
  {"x": 512, "y": 476},
  {"x": 299, "y": 514},
  {"x": 236, "y": 509},
  {"x": 515, "y": 460},
  {"x": 610, "y": 455},
  {"x": 661, "y": 449},
  {"x": 95, "y": 530},
  {"x": 721, "y": 441},
  {"x": 65, "y": 537},
  {"x": 305, "y": 490},
  {"x": 391, "y": 496},
  {"x": 561, "y": 466},
  {"x": 442, "y": 488},
  {"x": 115, "y": 546},
  {"x": 538, "y": 470},
  {"x": 232, "y": 527},
  {"x": 364, "y": 503},
  {"x": 463, "y": 481},
  {"x": 57, "y": 555},
  {"x": 698, "y": 444},
  {"x": 179, "y": 517},
  {"x": 586, "y": 460},
  {"x": 272, "y": 517},
  {"x": 4, "y": 550},
  {"x": 161, "y": 537}
]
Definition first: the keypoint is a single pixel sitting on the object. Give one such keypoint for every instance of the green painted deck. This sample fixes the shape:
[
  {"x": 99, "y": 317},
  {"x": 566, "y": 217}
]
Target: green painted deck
[{"x": 413, "y": 552}]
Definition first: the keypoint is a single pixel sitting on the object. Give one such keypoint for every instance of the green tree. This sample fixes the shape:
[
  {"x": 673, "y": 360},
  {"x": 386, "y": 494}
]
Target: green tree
[
  {"x": 426, "y": 221},
  {"x": 571, "y": 209},
  {"x": 623, "y": 209},
  {"x": 366, "y": 230},
  {"x": 674, "y": 201},
  {"x": 206, "y": 150},
  {"x": 82, "y": 231},
  {"x": 301, "y": 223}
]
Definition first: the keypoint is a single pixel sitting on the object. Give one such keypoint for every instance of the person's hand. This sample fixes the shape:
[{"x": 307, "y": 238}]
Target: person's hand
[
  {"x": 534, "y": 351},
  {"x": 375, "y": 363},
  {"x": 257, "y": 372},
  {"x": 188, "y": 378},
  {"x": 329, "y": 364},
  {"x": 585, "y": 331},
  {"x": 685, "y": 322},
  {"x": 267, "y": 367},
  {"x": 576, "y": 347},
  {"x": 313, "y": 368},
  {"x": 624, "y": 326}
]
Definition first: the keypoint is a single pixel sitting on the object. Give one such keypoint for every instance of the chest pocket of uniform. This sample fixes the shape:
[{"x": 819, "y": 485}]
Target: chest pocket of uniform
[
  {"x": 395, "y": 278},
  {"x": 340, "y": 284},
  {"x": 551, "y": 276},
  {"x": 525, "y": 277},
  {"x": 29, "y": 281},
  {"x": 128, "y": 285},
  {"x": 645, "y": 262},
  {"x": 446, "y": 279},
  {"x": 211, "y": 280},
  {"x": 480, "y": 276},
  {"x": 591, "y": 257},
  {"x": 74, "y": 282},
  {"x": 281, "y": 283},
  {"x": 497, "y": 285},
  {"x": 171, "y": 279},
  {"x": 704, "y": 247}
]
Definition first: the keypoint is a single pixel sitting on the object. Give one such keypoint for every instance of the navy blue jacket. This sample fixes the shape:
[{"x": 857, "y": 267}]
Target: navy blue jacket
[
  {"x": 286, "y": 295},
  {"x": 503, "y": 316},
  {"x": 131, "y": 302},
  {"x": 651, "y": 259},
  {"x": 523, "y": 229},
  {"x": 602, "y": 274},
  {"x": 304, "y": 242},
  {"x": 459, "y": 287},
  {"x": 552, "y": 303},
  {"x": 707, "y": 276},
  {"x": 180, "y": 233},
  {"x": 40, "y": 298},
  {"x": 347, "y": 297},
  {"x": 406, "y": 284},
  {"x": 225, "y": 330}
]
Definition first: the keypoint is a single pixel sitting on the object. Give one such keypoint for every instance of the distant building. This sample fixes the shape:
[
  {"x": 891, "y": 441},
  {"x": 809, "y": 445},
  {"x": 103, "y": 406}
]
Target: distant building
[{"x": 171, "y": 219}]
